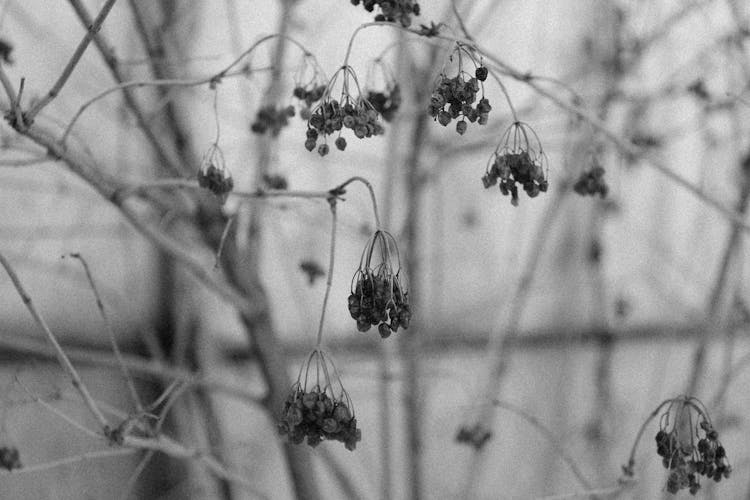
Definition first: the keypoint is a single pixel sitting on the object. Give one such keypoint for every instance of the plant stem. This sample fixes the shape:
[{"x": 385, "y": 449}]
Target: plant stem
[
  {"x": 61, "y": 356},
  {"x": 93, "y": 29},
  {"x": 329, "y": 278},
  {"x": 110, "y": 333}
]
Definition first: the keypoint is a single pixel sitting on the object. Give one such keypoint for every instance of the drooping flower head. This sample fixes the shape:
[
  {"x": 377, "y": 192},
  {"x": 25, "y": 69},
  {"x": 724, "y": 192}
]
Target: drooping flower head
[
  {"x": 318, "y": 407},
  {"x": 392, "y": 10},
  {"x": 454, "y": 98},
  {"x": 213, "y": 173},
  {"x": 591, "y": 181},
  {"x": 352, "y": 110},
  {"x": 518, "y": 160},
  {"x": 689, "y": 446},
  {"x": 10, "y": 459},
  {"x": 271, "y": 119},
  {"x": 378, "y": 294},
  {"x": 309, "y": 85},
  {"x": 382, "y": 89}
]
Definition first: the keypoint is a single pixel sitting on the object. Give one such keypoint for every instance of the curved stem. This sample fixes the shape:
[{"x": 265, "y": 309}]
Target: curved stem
[
  {"x": 506, "y": 94},
  {"x": 221, "y": 74},
  {"x": 61, "y": 356},
  {"x": 110, "y": 333},
  {"x": 367, "y": 25},
  {"x": 550, "y": 436},
  {"x": 329, "y": 279},
  {"x": 93, "y": 29},
  {"x": 141, "y": 83},
  {"x": 628, "y": 469},
  {"x": 369, "y": 187}
]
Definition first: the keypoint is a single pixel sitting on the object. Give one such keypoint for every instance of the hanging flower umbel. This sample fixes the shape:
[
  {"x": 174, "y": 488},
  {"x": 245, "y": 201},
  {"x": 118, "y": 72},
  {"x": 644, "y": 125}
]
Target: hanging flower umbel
[
  {"x": 318, "y": 407},
  {"x": 379, "y": 296},
  {"x": 689, "y": 446},
  {"x": 518, "y": 159},
  {"x": 213, "y": 173}
]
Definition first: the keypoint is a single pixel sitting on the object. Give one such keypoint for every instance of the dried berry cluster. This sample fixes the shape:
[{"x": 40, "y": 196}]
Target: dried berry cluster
[
  {"x": 312, "y": 269},
  {"x": 591, "y": 182},
  {"x": 392, "y": 10},
  {"x": 454, "y": 98},
  {"x": 386, "y": 102},
  {"x": 270, "y": 118},
  {"x": 316, "y": 413},
  {"x": 213, "y": 174},
  {"x": 309, "y": 85},
  {"x": 475, "y": 436},
  {"x": 316, "y": 416},
  {"x": 275, "y": 181},
  {"x": 686, "y": 460},
  {"x": 6, "y": 48},
  {"x": 330, "y": 117},
  {"x": 517, "y": 161},
  {"x": 10, "y": 458},
  {"x": 308, "y": 95},
  {"x": 378, "y": 297}
]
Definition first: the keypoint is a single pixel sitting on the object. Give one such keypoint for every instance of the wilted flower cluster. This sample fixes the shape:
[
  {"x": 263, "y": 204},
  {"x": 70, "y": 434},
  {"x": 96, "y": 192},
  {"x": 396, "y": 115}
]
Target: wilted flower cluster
[
  {"x": 455, "y": 98},
  {"x": 309, "y": 85},
  {"x": 392, "y": 10},
  {"x": 10, "y": 458},
  {"x": 331, "y": 115},
  {"x": 387, "y": 100},
  {"x": 213, "y": 174},
  {"x": 591, "y": 182},
  {"x": 688, "y": 450},
  {"x": 517, "y": 160},
  {"x": 273, "y": 119},
  {"x": 378, "y": 297},
  {"x": 476, "y": 436},
  {"x": 314, "y": 410}
]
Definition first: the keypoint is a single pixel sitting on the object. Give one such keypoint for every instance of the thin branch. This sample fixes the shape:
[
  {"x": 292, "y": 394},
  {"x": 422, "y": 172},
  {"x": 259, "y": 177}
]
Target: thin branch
[
  {"x": 25, "y": 162},
  {"x": 93, "y": 29},
  {"x": 340, "y": 189},
  {"x": 329, "y": 278},
  {"x": 499, "y": 347},
  {"x": 549, "y": 436},
  {"x": 624, "y": 147},
  {"x": 171, "y": 82},
  {"x": 137, "y": 365},
  {"x": 112, "y": 63},
  {"x": 174, "y": 449},
  {"x": 83, "y": 457},
  {"x": 69, "y": 420},
  {"x": 597, "y": 493},
  {"x": 110, "y": 332},
  {"x": 723, "y": 291},
  {"x": 61, "y": 356}
]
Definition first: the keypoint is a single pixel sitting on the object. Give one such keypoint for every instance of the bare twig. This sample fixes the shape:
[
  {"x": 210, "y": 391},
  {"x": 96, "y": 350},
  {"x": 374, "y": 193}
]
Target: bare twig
[
  {"x": 723, "y": 293},
  {"x": 549, "y": 436},
  {"x": 499, "y": 347},
  {"x": 61, "y": 356},
  {"x": 110, "y": 332},
  {"x": 112, "y": 63},
  {"x": 329, "y": 278},
  {"x": 61, "y": 462},
  {"x": 92, "y": 30}
]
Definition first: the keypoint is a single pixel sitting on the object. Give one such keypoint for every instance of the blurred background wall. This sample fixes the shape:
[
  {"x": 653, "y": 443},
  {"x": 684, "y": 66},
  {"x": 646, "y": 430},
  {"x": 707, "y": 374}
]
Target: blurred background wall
[{"x": 592, "y": 308}]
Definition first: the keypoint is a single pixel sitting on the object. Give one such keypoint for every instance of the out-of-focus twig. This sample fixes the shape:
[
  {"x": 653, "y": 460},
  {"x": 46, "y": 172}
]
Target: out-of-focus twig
[
  {"x": 93, "y": 28},
  {"x": 61, "y": 356},
  {"x": 110, "y": 333}
]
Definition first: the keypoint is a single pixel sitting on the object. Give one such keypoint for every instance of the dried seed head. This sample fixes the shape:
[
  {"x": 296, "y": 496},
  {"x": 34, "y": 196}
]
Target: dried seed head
[
  {"x": 214, "y": 175},
  {"x": 378, "y": 295},
  {"x": 318, "y": 407}
]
